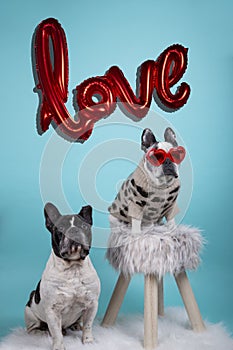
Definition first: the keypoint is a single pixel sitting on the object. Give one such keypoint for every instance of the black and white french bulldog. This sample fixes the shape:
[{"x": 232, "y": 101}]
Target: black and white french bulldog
[
  {"x": 149, "y": 194},
  {"x": 68, "y": 291}
]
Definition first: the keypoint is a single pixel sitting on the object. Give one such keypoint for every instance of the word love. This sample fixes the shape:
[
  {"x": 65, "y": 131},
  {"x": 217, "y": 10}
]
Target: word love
[{"x": 51, "y": 57}]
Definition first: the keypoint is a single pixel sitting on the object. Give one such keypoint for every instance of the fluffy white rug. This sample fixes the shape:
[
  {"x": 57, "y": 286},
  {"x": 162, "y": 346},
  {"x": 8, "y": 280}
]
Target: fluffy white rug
[{"x": 174, "y": 334}]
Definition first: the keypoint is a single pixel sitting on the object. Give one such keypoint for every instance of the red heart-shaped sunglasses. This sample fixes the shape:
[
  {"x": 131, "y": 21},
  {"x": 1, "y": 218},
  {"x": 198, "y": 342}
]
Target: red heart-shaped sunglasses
[{"x": 157, "y": 156}]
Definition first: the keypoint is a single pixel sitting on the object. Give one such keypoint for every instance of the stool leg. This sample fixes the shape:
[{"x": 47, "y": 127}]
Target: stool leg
[
  {"x": 161, "y": 298},
  {"x": 190, "y": 302},
  {"x": 116, "y": 301},
  {"x": 150, "y": 312}
]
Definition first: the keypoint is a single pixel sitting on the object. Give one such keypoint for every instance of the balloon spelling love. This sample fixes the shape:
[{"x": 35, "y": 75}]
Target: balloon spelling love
[{"x": 51, "y": 58}]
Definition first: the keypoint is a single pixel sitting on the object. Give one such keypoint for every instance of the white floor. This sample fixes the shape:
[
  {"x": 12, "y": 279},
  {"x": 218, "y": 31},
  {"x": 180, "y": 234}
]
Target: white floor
[{"x": 174, "y": 334}]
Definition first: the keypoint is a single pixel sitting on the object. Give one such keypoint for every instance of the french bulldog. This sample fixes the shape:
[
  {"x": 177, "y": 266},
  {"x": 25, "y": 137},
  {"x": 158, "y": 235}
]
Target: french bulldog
[
  {"x": 149, "y": 194},
  {"x": 68, "y": 291}
]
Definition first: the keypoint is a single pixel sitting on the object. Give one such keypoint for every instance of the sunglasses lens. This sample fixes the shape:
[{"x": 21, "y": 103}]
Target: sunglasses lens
[
  {"x": 177, "y": 154},
  {"x": 156, "y": 157}
]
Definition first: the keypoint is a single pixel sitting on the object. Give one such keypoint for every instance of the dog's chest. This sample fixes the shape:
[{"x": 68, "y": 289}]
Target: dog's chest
[
  {"x": 76, "y": 287},
  {"x": 69, "y": 290}
]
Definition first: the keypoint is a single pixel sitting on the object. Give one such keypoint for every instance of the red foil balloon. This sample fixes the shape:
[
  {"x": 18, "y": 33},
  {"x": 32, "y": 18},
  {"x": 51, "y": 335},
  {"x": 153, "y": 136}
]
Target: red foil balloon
[
  {"x": 52, "y": 76},
  {"x": 171, "y": 65},
  {"x": 53, "y": 82},
  {"x": 101, "y": 87},
  {"x": 136, "y": 106}
]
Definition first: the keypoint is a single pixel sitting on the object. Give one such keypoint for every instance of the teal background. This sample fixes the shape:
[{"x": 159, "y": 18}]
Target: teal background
[{"x": 125, "y": 33}]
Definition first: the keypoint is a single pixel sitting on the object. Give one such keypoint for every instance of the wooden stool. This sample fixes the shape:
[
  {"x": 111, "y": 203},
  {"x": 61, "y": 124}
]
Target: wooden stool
[{"x": 124, "y": 258}]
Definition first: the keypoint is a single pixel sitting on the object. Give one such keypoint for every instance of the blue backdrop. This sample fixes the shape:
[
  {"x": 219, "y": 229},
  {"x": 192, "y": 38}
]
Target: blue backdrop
[{"x": 101, "y": 34}]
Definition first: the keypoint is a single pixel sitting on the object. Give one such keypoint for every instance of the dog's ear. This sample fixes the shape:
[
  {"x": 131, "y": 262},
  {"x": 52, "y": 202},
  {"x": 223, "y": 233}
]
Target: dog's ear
[
  {"x": 51, "y": 214},
  {"x": 86, "y": 214},
  {"x": 147, "y": 139},
  {"x": 170, "y": 136}
]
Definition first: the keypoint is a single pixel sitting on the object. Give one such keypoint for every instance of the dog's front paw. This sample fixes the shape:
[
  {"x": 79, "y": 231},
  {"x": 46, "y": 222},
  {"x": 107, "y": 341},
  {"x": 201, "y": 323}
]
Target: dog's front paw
[
  {"x": 171, "y": 225},
  {"x": 87, "y": 338},
  {"x": 58, "y": 347}
]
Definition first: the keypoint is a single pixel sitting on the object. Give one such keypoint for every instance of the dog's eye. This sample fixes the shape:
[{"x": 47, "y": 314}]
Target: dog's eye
[
  {"x": 61, "y": 228},
  {"x": 84, "y": 226}
]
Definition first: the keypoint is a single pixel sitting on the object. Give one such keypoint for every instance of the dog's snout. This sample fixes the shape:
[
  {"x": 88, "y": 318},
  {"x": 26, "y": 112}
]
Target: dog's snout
[{"x": 169, "y": 168}]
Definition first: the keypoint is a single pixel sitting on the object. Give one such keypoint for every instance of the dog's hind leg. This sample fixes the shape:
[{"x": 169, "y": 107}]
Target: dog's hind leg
[{"x": 33, "y": 324}]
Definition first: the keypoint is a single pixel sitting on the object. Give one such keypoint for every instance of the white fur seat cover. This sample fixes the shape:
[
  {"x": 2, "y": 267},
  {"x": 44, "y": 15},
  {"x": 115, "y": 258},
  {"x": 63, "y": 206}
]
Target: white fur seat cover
[{"x": 156, "y": 250}]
